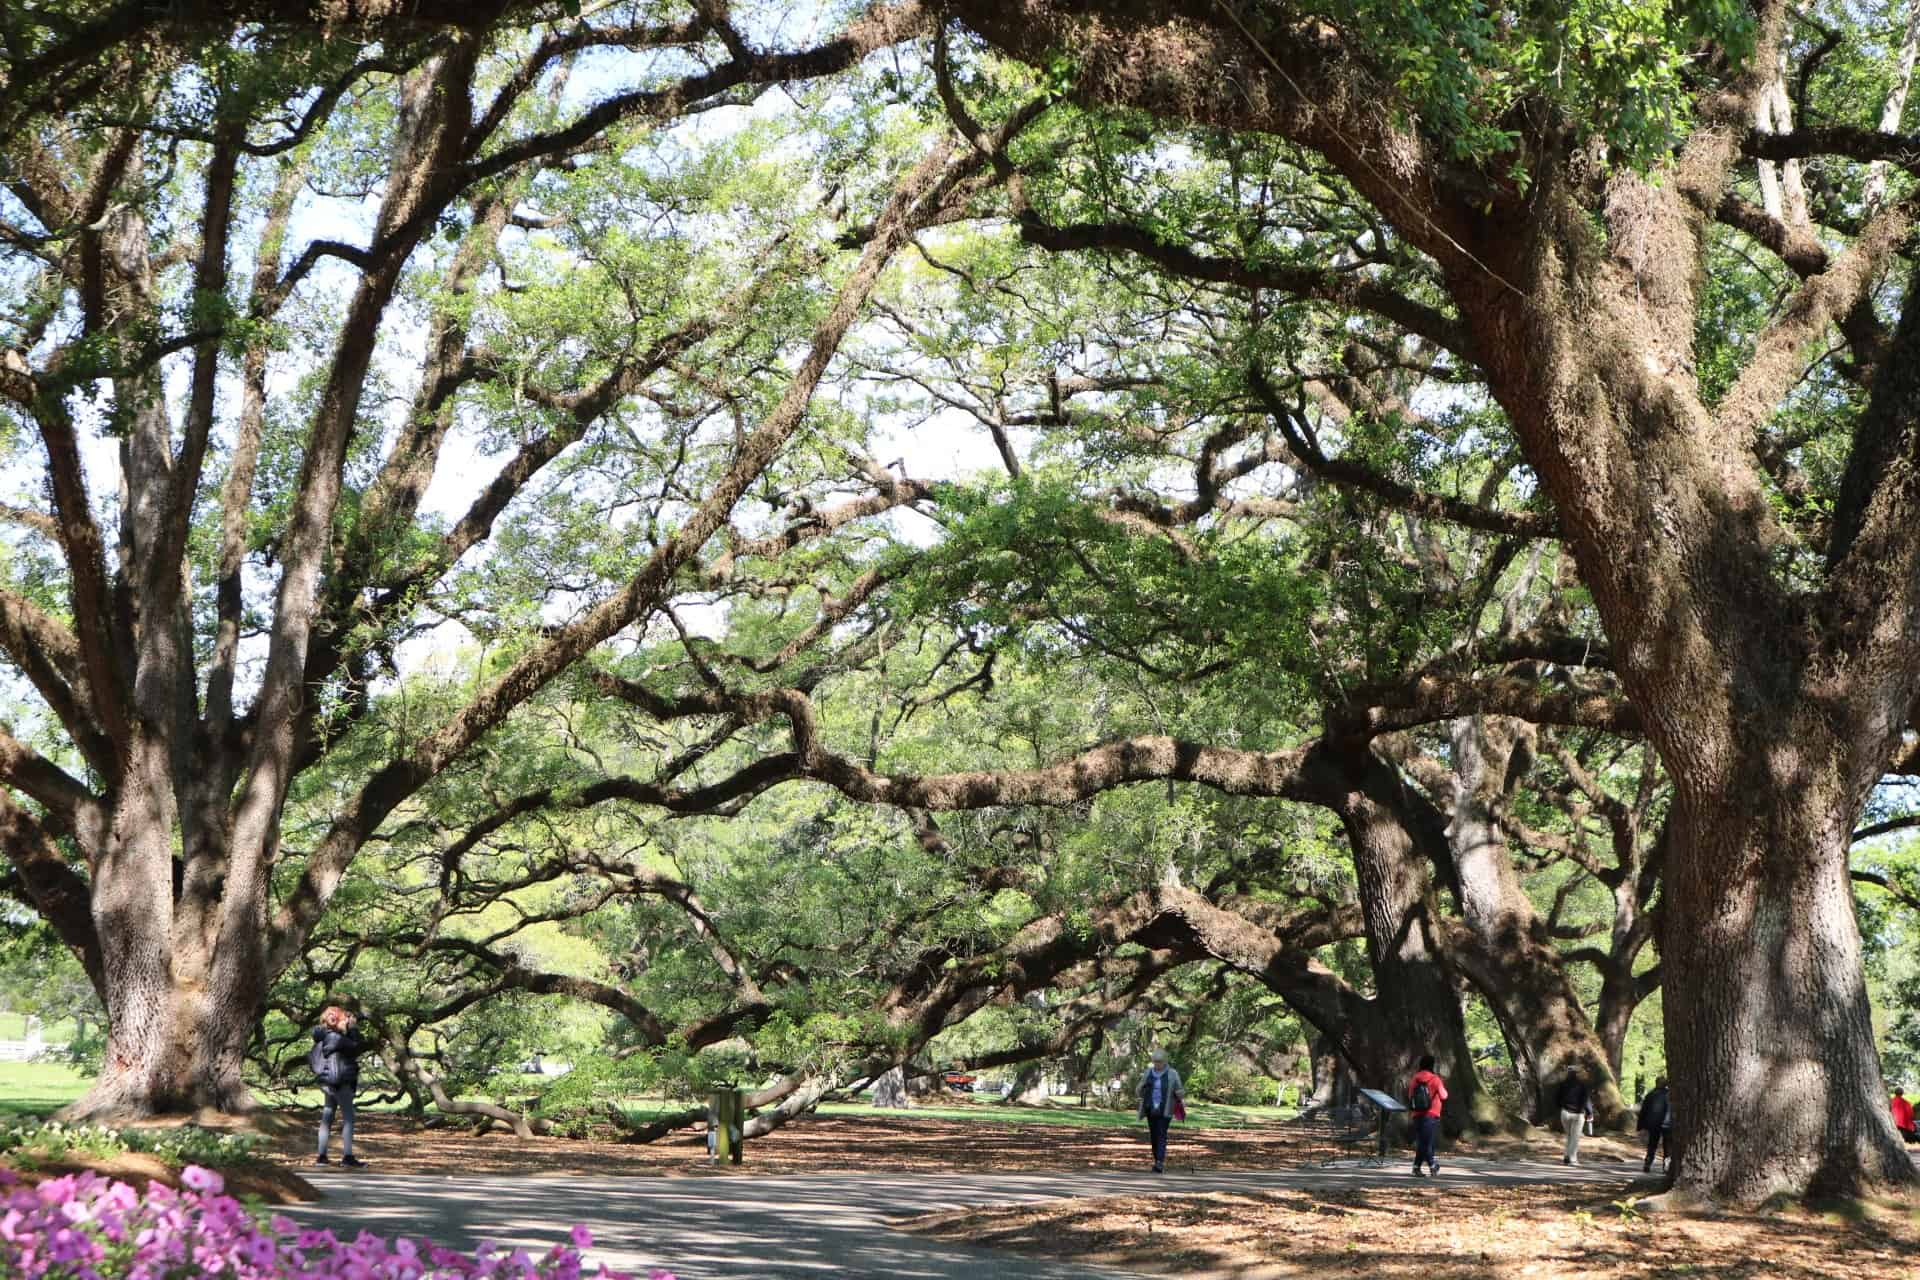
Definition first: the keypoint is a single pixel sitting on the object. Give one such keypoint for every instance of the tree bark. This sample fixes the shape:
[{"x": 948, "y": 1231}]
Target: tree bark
[
  {"x": 1507, "y": 953},
  {"x": 1776, "y": 1081},
  {"x": 1332, "y": 1081},
  {"x": 1030, "y": 1086},
  {"x": 1394, "y": 838},
  {"x": 890, "y": 1090}
]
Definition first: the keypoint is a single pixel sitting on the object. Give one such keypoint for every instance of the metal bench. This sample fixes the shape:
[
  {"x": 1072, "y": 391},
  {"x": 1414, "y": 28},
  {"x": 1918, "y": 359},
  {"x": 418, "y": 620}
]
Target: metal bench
[
  {"x": 1348, "y": 1131},
  {"x": 1358, "y": 1130}
]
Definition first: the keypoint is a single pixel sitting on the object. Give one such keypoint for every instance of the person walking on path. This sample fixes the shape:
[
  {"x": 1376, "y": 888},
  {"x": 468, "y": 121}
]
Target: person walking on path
[
  {"x": 1576, "y": 1106},
  {"x": 1903, "y": 1115},
  {"x": 1656, "y": 1120},
  {"x": 1425, "y": 1092},
  {"x": 335, "y": 1059},
  {"x": 1162, "y": 1100}
]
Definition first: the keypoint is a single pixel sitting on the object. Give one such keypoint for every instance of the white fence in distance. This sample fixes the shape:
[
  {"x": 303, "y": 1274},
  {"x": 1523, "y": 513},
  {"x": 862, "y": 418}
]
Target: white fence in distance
[{"x": 27, "y": 1050}]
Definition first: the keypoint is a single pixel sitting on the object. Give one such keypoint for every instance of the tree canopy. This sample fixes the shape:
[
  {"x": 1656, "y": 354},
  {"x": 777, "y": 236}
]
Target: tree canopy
[{"x": 784, "y": 533}]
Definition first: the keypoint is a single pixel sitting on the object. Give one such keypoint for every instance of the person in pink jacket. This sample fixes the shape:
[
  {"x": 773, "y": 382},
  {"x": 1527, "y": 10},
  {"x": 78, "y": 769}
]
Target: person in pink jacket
[{"x": 1425, "y": 1092}]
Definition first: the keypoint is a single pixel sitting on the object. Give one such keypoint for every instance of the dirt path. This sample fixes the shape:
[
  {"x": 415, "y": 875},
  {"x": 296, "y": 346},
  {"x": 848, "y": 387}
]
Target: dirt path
[
  {"x": 786, "y": 1227},
  {"x": 945, "y": 1199}
]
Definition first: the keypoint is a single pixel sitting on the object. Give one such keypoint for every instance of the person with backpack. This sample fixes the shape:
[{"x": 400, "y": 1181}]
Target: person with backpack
[
  {"x": 335, "y": 1059},
  {"x": 1656, "y": 1120},
  {"x": 1425, "y": 1094},
  {"x": 1576, "y": 1108},
  {"x": 1162, "y": 1101}
]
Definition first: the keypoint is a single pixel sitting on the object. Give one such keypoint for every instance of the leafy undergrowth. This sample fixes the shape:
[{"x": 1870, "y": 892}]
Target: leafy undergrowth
[
  {"x": 1438, "y": 1231},
  {"x": 41, "y": 1151},
  {"x": 26, "y": 1143}
]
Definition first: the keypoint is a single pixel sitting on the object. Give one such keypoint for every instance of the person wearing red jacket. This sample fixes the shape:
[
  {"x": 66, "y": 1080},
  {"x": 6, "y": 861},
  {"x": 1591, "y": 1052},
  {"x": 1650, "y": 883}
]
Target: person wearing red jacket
[
  {"x": 1903, "y": 1116},
  {"x": 1425, "y": 1092}
]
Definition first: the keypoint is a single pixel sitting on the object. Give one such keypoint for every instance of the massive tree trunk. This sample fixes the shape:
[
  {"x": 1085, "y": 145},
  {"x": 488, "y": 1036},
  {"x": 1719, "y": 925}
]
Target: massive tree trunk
[
  {"x": 175, "y": 1037},
  {"x": 1772, "y": 738},
  {"x": 1030, "y": 1086},
  {"x": 1772, "y": 731},
  {"x": 1392, "y": 838},
  {"x": 1776, "y": 1081},
  {"x": 1506, "y": 951},
  {"x": 890, "y": 1090},
  {"x": 1332, "y": 1080}
]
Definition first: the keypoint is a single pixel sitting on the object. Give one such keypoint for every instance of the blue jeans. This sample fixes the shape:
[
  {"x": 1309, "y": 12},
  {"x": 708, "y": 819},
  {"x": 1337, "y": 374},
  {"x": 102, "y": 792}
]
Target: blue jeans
[
  {"x": 338, "y": 1097},
  {"x": 1157, "y": 1134},
  {"x": 1426, "y": 1131}
]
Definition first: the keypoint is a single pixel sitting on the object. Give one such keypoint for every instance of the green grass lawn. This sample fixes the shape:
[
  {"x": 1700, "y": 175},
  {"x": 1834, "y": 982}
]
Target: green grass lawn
[
  {"x": 13, "y": 1026},
  {"x": 1204, "y": 1115},
  {"x": 36, "y": 1088}
]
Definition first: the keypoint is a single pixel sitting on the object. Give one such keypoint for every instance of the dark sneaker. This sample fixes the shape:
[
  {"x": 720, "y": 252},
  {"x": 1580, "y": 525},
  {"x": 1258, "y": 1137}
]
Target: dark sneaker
[
  {"x": 353, "y": 1162},
  {"x": 321, "y": 1158},
  {"x": 1433, "y": 1171}
]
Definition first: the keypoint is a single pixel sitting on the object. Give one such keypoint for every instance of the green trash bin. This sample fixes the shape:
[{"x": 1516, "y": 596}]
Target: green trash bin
[{"x": 726, "y": 1116}]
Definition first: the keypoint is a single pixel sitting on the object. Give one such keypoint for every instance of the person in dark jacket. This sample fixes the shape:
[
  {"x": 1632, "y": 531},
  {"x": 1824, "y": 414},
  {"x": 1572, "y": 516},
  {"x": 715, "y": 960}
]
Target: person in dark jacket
[
  {"x": 1656, "y": 1121},
  {"x": 1576, "y": 1105},
  {"x": 336, "y": 1057}
]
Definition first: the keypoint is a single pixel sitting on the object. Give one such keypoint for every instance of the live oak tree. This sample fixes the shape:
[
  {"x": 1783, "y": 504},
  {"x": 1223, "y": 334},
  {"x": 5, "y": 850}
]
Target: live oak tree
[
  {"x": 1567, "y": 222},
  {"x": 1257, "y": 587},
  {"x": 213, "y": 569},
  {"x": 1672, "y": 264}
]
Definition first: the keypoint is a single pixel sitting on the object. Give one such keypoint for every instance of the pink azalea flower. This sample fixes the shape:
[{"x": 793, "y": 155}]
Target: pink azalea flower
[{"x": 205, "y": 1181}]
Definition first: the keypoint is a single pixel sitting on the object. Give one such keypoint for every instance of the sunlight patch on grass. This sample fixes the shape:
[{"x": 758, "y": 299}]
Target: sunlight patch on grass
[{"x": 38, "y": 1088}]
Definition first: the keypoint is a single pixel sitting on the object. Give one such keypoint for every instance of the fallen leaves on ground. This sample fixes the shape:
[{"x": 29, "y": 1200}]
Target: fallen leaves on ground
[
  {"x": 906, "y": 1143},
  {"x": 1437, "y": 1231}
]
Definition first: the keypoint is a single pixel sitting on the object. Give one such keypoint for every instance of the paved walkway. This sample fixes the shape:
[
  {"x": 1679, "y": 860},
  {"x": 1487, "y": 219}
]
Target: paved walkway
[{"x": 801, "y": 1226}]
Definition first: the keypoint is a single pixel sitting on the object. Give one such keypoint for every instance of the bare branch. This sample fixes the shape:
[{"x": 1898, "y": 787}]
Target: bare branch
[{"x": 1353, "y": 475}]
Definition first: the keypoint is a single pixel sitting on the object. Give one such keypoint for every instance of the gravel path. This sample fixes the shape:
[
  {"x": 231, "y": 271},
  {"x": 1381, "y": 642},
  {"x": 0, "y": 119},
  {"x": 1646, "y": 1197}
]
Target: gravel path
[{"x": 799, "y": 1225}]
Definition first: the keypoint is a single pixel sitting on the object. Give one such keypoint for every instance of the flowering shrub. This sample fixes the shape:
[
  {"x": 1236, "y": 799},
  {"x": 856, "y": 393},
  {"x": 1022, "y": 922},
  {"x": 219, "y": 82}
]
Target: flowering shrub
[
  {"x": 86, "y": 1227},
  {"x": 50, "y": 1140}
]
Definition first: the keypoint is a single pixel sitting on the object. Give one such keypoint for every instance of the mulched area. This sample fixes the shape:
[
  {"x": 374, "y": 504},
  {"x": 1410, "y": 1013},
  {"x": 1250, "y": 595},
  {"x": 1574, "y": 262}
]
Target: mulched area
[
  {"x": 266, "y": 1182},
  {"x": 908, "y": 1143},
  {"x": 1431, "y": 1231},
  {"x": 814, "y": 1144}
]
